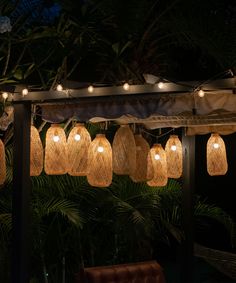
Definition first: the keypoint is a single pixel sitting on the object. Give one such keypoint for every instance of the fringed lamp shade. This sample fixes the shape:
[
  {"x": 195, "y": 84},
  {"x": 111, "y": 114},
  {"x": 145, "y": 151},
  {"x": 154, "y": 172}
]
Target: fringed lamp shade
[
  {"x": 100, "y": 162},
  {"x": 141, "y": 173},
  {"x": 216, "y": 156},
  {"x": 56, "y": 158},
  {"x": 2, "y": 163},
  {"x": 124, "y": 151},
  {"x": 78, "y": 144},
  {"x": 158, "y": 165},
  {"x": 36, "y": 153},
  {"x": 174, "y": 157}
]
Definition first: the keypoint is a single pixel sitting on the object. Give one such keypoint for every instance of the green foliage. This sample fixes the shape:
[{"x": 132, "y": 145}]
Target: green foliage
[{"x": 88, "y": 226}]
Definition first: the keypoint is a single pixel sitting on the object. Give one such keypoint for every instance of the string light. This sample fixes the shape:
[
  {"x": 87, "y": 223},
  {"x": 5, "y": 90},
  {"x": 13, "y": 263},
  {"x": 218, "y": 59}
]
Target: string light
[
  {"x": 201, "y": 93},
  {"x": 5, "y": 95},
  {"x": 25, "y": 91},
  {"x": 59, "y": 87},
  {"x": 90, "y": 89},
  {"x": 160, "y": 85},
  {"x": 126, "y": 86}
]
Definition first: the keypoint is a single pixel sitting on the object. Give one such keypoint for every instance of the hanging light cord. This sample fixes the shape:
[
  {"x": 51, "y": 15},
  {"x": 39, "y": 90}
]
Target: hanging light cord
[{"x": 158, "y": 136}]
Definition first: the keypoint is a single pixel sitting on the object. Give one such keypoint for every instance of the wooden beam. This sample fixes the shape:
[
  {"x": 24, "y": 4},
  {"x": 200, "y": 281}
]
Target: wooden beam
[
  {"x": 53, "y": 95},
  {"x": 21, "y": 194},
  {"x": 187, "y": 263}
]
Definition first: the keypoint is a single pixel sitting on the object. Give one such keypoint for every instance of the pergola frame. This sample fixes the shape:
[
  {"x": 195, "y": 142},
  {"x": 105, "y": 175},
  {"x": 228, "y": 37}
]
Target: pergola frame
[{"x": 21, "y": 168}]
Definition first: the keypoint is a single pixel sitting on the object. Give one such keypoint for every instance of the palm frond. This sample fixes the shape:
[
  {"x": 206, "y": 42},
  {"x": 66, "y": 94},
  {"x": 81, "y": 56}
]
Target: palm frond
[
  {"x": 6, "y": 222},
  {"x": 202, "y": 209},
  {"x": 62, "y": 207}
]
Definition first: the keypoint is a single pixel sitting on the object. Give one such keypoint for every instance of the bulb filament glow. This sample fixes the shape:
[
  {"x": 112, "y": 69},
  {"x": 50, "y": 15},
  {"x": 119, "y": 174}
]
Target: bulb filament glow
[
  {"x": 126, "y": 86},
  {"x": 56, "y": 138},
  {"x": 90, "y": 89},
  {"x": 216, "y": 145},
  {"x": 100, "y": 149},
  {"x": 160, "y": 85},
  {"x": 5, "y": 95},
  {"x": 77, "y": 137},
  {"x": 25, "y": 91},
  {"x": 157, "y": 157},
  {"x": 173, "y": 147},
  {"x": 201, "y": 93},
  {"x": 59, "y": 87}
]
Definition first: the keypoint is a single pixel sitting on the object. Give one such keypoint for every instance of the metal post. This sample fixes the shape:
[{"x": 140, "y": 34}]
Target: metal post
[
  {"x": 187, "y": 264},
  {"x": 21, "y": 194}
]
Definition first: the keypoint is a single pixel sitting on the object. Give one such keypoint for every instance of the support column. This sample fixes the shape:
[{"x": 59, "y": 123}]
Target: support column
[
  {"x": 187, "y": 264},
  {"x": 21, "y": 194}
]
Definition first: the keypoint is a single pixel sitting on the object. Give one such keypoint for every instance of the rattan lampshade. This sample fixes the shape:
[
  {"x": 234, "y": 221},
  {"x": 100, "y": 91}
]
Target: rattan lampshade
[
  {"x": 56, "y": 157},
  {"x": 100, "y": 162},
  {"x": 2, "y": 163},
  {"x": 159, "y": 164},
  {"x": 124, "y": 151},
  {"x": 141, "y": 173},
  {"x": 216, "y": 156},
  {"x": 36, "y": 153},
  {"x": 78, "y": 144},
  {"x": 174, "y": 157}
]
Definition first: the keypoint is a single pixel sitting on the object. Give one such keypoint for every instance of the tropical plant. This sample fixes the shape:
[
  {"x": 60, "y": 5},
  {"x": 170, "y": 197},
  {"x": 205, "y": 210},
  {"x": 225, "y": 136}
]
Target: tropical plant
[{"x": 75, "y": 225}]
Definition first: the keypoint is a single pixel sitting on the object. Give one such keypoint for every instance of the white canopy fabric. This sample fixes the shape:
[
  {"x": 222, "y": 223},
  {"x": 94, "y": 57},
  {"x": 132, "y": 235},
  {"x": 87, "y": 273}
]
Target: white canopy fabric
[{"x": 216, "y": 108}]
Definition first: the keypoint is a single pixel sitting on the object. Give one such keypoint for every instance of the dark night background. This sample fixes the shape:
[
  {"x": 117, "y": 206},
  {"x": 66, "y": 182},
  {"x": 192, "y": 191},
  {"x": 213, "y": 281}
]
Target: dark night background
[
  {"x": 200, "y": 45},
  {"x": 109, "y": 42}
]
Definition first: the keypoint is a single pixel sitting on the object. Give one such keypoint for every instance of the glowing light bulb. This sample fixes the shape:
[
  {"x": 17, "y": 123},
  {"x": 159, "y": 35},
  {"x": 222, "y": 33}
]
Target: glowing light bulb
[
  {"x": 100, "y": 149},
  {"x": 59, "y": 87},
  {"x": 56, "y": 138},
  {"x": 201, "y": 93},
  {"x": 77, "y": 137},
  {"x": 157, "y": 156},
  {"x": 4, "y": 95},
  {"x": 25, "y": 91},
  {"x": 173, "y": 147},
  {"x": 90, "y": 89},
  {"x": 160, "y": 85},
  {"x": 126, "y": 86},
  {"x": 216, "y": 145}
]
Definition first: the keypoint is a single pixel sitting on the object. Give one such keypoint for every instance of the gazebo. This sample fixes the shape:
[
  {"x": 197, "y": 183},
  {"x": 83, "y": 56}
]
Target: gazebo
[{"x": 175, "y": 105}]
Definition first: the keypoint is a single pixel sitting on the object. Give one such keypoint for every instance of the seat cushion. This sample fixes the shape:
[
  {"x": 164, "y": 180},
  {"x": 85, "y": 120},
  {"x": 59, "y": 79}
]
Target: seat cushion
[{"x": 140, "y": 272}]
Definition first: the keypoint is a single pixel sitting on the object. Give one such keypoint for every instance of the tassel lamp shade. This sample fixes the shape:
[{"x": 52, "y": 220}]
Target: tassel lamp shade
[
  {"x": 36, "y": 153},
  {"x": 78, "y": 144},
  {"x": 216, "y": 156},
  {"x": 141, "y": 173},
  {"x": 158, "y": 165},
  {"x": 100, "y": 162},
  {"x": 174, "y": 157},
  {"x": 2, "y": 163},
  {"x": 124, "y": 151},
  {"x": 56, "y": 159}
]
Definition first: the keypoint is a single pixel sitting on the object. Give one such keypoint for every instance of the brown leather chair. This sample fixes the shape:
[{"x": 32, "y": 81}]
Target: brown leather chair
[{"x": 140, "y": 272}]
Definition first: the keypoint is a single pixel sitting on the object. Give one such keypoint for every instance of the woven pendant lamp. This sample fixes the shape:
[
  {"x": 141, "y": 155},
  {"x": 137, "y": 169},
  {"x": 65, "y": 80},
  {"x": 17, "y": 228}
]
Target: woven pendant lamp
[
  {"x": 141, "y": 173},
  {"x": 78, "y": 144},
  {"x": 174, "y": 157},
  {"x": 124, "y": 151},
  {"x": 2, "y": 163},
  {"x": 100, "y": 162},
  {"x": 159, "y": 165},
  {"x": 216, "y": 156},
  {"x": 56, "y": 159},
  {"x": 36, "y": 153}
]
